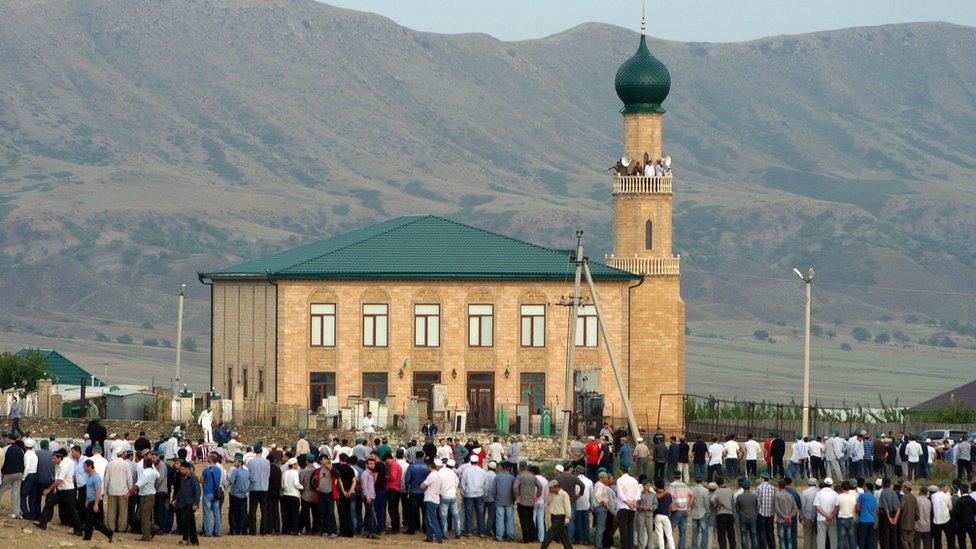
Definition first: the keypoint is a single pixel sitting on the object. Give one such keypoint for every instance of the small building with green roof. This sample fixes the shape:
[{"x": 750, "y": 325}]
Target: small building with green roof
[{"x": 61, "y": 369}]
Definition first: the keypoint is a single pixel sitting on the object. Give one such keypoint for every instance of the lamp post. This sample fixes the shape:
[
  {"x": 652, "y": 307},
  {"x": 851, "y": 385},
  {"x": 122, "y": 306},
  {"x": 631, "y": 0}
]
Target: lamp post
[
  {"x": 179, "y": 333},
  {"x": 808, "y": 281}
]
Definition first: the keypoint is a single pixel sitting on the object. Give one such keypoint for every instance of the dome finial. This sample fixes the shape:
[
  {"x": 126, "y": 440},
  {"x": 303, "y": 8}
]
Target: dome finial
[{"x": 642, "y": 18}]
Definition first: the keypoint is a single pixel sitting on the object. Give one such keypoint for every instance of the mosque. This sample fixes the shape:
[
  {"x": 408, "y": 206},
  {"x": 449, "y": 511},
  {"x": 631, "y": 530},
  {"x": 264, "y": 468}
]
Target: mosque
[{"x": 390, "y": 310}]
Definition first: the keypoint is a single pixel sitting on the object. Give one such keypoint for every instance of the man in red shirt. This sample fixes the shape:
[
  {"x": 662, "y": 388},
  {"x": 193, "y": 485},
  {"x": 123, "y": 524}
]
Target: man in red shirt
[
  {"x": 767, "y": 454},
  {"x": 593, "y": 455}
]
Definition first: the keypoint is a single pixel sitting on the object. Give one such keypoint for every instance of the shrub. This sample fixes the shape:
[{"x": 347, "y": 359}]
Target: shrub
[
  {"x": 901, "y": 337},
  {"x": 190, "y": 344},
  {"x": 150, "y": 342},
  {"x": 831, "y": 334},
  {"x": 761, "y": 335},
  {"x": 124, "y": 339},
  {"x": 99, "y": 336},
  {"x": 166, "y": 343},
  {"x": 816, "y": 330},
  {"x": 146, "y": 325},
  {"x": 861, "y": 333},
  {"x": 845, "y": 346},
  {"x": 882, "y": 338}
]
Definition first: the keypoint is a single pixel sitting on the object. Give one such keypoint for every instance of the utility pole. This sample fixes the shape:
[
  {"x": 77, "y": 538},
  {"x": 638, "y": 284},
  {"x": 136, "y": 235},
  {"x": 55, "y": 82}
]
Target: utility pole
[
  {"x": 179, "y": 333},
  {"x": 573, "y": 304},
  {"x": 808, "y": 280},
  {"x": 634, "y": 429}
]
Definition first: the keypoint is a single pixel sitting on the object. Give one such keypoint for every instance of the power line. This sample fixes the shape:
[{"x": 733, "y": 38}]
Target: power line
[{"x": 866, "y": 286}]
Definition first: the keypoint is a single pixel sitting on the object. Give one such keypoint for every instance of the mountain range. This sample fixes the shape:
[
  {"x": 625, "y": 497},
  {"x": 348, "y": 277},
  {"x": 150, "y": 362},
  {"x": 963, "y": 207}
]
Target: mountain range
[{"x": 143, "y": 141}]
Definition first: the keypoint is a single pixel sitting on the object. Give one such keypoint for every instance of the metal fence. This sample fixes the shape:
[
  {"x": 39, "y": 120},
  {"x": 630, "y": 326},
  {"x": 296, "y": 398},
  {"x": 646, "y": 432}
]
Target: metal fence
[{"x": 710, "y": 416}]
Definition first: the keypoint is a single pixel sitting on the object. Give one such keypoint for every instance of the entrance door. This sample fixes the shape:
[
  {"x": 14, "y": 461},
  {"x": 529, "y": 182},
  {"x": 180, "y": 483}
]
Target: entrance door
[
  {"x": 423, "y": 387},
  {"x": 481, "y": 400}
]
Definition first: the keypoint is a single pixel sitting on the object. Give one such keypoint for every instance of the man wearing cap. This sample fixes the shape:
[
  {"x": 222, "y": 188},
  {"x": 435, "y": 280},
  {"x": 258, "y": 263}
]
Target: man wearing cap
[
  {"x": 448, "y": 507},
  {"x": 833, "y": 453},
  {"x": 941, "y": 516},
  {"x": 642, "y": 455},
  {"x": 683, "y": 498},
  {"x": 905, "y": 517},
  {"x": 503, "y": 496},
  {"x": 413, "y": 477},
  {"x": 747, "y": 512},
  {"x": 923, "y": 520},
  {"x": 766, "y": 499},
  {"x": 144, "y": 490},
  {"x": 213, "y": 500},
  {"x": 826, "y": 504},
  {"x": 30, "y": 492},
  {"x": 61, "y": 493},
  {"x": 118, "y": 484},
  {"x": 187, "y": 501},
  {"x": 660, "y": 454},
  {"x": 808, "y": 513},
  {"x": 432, "y": 497},
  {"x": 559, "y": 511},
  {"x": 93, "y": 504},
  {"x": 473, "y": 481},
  {"x": 625, "y": 453},
  {"x": 526, "y": 491},
  {"x": 239, "y": 484},
  {"x": 45, "y": 471},
  {"x": 310, "y": 519},
  {"x": 291, "y": 490},
  {"x": 628, "y": 496},
  {"x": 699, "y": 510},
  {"x": 259, "y": 473},
  {"x": 581, "y": 516},
  {"x": 13, "y": 473}
]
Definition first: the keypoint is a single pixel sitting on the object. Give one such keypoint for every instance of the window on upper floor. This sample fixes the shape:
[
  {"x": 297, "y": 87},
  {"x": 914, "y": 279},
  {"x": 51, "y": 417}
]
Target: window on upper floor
[
  {"x": 375, "y": 325},
  {"x": 533, "y": 325},
  {"x": 586, "y": 326},
  {"x": 427, "y": 325},
  {"x": 648, "y": 235},
  {"x": 323, "y": 325},
  {"x": 481, "y": 325}
]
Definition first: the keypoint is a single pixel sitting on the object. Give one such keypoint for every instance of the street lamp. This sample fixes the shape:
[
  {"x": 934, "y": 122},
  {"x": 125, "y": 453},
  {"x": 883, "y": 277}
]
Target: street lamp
[
  {"x": 808, "y": 280},
  {"x": 179, "y": 333}
]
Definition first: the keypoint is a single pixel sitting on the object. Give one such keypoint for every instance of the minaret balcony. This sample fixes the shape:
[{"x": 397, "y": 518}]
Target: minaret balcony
[
  {"x": 638, "y": 184},
  {"x": 650, "y": 266}
]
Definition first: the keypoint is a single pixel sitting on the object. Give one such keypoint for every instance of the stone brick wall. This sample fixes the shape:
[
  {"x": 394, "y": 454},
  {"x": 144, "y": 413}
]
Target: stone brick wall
[
  {"x": 349, "y": 359},
  {"x": 533, "y": 447},
  {"x": 642, "y": 133}
]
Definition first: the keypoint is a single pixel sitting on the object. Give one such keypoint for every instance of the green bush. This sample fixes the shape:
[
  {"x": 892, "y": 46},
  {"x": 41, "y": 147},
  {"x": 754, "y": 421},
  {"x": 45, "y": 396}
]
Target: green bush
[
  {"x": 99, "y": 336},
  {"x": 761, "y": 335},
  {"x": 124, "y": 339},
  {"x": 190, "y": 344},
  {"x": 882, "y": 338},
  {"x": 150, "y": 342},
  {"x": 861, "y": 334},
  {"x": 845, "y": 346},
  {"x": 146, "y": 325},
  {"x": 23, "y": 372}
]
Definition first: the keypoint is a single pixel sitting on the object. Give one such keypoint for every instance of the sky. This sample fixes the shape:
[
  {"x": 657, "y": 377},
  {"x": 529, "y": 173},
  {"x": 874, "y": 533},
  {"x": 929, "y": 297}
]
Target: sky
[{"x": 683, "y": 20}]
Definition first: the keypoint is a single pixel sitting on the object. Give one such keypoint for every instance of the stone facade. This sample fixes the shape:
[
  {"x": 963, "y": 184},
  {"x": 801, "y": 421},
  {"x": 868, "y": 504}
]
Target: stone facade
[{"x": 453, "y": 358}]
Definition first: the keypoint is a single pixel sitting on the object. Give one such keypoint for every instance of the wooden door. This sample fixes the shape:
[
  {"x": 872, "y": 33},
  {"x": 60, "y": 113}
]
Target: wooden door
[{"x": 481, "y": 400}]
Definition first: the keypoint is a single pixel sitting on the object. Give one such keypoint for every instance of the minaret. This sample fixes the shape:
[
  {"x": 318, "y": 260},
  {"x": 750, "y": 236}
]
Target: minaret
[{"x": 642, "y": 245}]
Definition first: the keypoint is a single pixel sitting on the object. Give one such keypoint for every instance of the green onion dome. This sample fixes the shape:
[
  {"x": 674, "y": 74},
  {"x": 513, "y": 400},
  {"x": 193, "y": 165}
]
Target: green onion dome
[{"x": 642, "y": 82}]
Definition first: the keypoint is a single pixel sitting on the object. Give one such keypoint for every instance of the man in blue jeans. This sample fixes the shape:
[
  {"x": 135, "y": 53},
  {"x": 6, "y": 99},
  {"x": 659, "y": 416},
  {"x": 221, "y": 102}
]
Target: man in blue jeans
[
  {"x": 432, "y": 499},
  {"x": 473, "y": 481},
  {"x": 503, "y": 492},
  {"x": 212, "y": 477},
  {"x": 700, "y": 511}
]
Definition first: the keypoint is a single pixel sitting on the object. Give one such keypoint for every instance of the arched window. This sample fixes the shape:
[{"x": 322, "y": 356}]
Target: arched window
[{"x": 648, "y": 235}]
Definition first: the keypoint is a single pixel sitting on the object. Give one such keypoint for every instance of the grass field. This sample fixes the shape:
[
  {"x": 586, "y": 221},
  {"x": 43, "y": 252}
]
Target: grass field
[
  {"x": 734, "y": 366},
  {"x": 757, "y": 370}
]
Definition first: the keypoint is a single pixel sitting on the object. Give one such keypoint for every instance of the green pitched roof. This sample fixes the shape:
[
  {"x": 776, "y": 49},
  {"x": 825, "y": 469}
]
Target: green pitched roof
[
  {"x": 417, "y": 248},
  {"x": 61, "y": 369}
]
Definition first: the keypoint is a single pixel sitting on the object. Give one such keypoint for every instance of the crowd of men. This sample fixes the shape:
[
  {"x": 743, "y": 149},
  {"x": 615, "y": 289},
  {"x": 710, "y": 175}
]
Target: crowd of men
[{"x": 608, "y": 492}]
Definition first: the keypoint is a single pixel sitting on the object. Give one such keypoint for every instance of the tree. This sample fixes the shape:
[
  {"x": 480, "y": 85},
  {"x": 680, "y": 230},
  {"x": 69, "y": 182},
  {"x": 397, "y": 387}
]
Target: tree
[
  {"x": 166, "y": 343},
  {"x": 150, "y": 342},
  {"x": 146, "y": 325},
  {"x": 882, "y": 338},
  {"x": 831, "y": 334},
  {"x": 190, "y": 344},
  {"x": 947, "y": 342},
  {"x": 99, "y": 336},
  {"x": 901, "y": 337},
  {"x": 845, "y": 346},
  {"x": 124, "y": 339},
  {"x": 17, "y": 371},
  {"x": 861, "y": 334},
  {"x": 816, "y": 330},
  {"x": 761, "y": 335}
]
